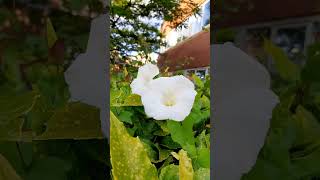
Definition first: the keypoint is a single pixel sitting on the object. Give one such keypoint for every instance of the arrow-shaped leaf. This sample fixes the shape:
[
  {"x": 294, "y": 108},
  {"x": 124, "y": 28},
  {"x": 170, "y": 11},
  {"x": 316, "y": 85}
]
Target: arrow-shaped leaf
[
  {"x": 285, "y": 67},
  {"x": 51, "y": 34}
]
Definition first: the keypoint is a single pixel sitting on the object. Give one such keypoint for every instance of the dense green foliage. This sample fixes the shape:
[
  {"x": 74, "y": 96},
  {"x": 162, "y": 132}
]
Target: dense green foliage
[
  {"x": 43, "y": 136},
  {"x": 291, "y": 150},
  {"x": 160, "y": 139}
]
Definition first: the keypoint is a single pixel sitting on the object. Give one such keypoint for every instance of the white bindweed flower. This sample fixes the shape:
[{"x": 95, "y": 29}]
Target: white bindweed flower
[
  {"x": 146, "y": 73},
  {"x": 169, "y": 98}
]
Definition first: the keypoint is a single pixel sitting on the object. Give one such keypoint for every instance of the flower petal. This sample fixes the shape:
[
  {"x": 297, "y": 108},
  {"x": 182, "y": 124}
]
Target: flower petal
[
  {"x": 145, "y": 74},
  {"x": 182, "y": 90},
  {"x": 138, "y": 86},
  {"x": 148, "y": 71}
]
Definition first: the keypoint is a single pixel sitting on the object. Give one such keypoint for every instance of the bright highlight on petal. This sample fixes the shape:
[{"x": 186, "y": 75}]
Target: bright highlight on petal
[
  {"x": 169, "y": 98},
  {"x": 146, "y": 73}
]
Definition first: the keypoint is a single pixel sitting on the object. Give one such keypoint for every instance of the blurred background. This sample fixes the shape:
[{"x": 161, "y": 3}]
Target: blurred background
[{"x": 284, "y": 37}]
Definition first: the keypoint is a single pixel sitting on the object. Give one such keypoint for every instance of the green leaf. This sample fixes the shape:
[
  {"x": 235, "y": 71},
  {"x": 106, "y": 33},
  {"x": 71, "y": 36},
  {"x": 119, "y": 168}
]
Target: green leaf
[
  {"x": 182, "y": 133},
  {"x": 203, "y": 158},
  {"x": 170, "y": 172},
  {"x": 164, "y": 131},
  {"x": 203, "y": 140},
  {"x": 310, "y": 71},
  {"x": 201, "y": 110},
  {"x": 202, "y": 174},
  {"x": 129, "y": 157},
  {"x": 51, "y": 34},
  {"x": 266, "y": 170},
  {"x": 167, "y": 142},
  {"x": 74, "y": 121},
  {"x": 12, "y": 130},
  {"x": 292, "y": 147},
  {"x": 150, "y": 151},
  {"x": 53, "y": 87},
  {"x": 125, "y": 116},
  {"x": 205, "y": 101},
  {"x": 7, "y": 171},
  {"x": 39, "y": 115},
  {"x": 308, "y": 127},
  {"x": 308, "y": 164},
  {"x": 13, "y": 106},
  {"x": 306, "y": 156},
  {"x": 198, "y": 82},
  {"x": 163, "y": 153},
  {"x": 203, "y": 151},
  {"x": 285, "y": 67},
  {"x": 167, "y": 162}
]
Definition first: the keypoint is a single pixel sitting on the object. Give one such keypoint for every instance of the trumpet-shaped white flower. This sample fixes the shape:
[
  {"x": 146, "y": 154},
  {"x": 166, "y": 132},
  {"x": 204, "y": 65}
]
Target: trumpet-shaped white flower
[
  {"x": 169, "y": 98},
  {"x": 146, "y": 73}
]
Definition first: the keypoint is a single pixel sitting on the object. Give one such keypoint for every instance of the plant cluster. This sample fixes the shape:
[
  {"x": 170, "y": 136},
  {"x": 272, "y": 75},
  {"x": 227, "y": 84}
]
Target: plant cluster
[
  {"x": 42, "y": 135},
  {"x": 291, "y": 149},
  {"x": 145, "y": 148}
]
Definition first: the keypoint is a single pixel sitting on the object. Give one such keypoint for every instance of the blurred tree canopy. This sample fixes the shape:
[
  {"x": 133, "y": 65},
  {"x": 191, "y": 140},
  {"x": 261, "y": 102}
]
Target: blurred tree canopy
[{"x": 135, "y": 25}]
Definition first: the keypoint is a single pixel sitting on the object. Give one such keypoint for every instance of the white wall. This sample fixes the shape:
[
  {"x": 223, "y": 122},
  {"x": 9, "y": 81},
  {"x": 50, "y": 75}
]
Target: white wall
[{"x": 194, "y": 25}]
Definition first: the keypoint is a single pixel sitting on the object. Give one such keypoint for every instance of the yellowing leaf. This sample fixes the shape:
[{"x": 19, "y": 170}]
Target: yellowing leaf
[
  {"x": 202, "y": 174},
  {"x": 175, "y": 155},
  {"x": 131, "y": 100},
  {"x": 129, "y": 158},
  {"x": 7, "y": 171},
  {"x": 169, "y": 172},
  {"x": 74, "y": 121},
  {"x": 125, "y": 71},
  {"x": 13, "y": 106},
  {"x": 51, "y": 34},
  {"x": 185, "y": 165}
]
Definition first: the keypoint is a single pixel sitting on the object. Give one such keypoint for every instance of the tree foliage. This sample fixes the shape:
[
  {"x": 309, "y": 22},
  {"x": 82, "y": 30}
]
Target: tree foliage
[{"x": 135, "y": 25}]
